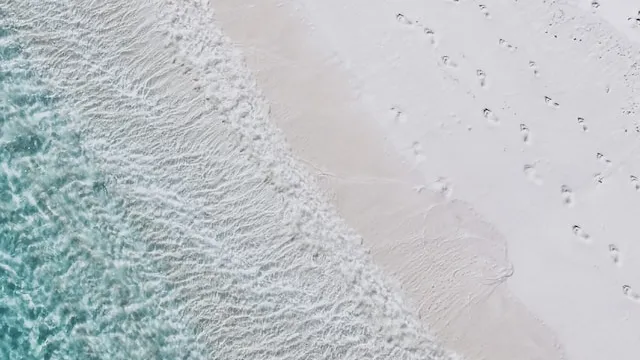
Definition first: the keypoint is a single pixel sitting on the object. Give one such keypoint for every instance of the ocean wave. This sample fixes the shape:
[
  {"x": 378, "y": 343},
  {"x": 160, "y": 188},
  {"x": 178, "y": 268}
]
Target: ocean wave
[{"x": 166, "y": 214}]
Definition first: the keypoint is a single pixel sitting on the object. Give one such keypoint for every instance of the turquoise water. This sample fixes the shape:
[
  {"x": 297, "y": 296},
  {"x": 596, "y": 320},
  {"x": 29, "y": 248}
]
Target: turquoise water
[{"x": 74, "y": 281}]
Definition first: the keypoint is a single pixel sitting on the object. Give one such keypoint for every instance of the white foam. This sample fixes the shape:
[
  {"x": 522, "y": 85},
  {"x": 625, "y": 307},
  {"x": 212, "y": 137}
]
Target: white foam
[{"x": 262, "y": 265}]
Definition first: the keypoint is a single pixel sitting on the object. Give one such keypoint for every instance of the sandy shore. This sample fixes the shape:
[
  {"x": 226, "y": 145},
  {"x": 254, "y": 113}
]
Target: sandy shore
[
  {"x": 472, "y": 166},
  {"x": 452, "y": 265}
]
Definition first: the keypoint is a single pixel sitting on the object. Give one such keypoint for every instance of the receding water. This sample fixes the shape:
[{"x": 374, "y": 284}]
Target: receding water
[{"x": 149, "y": 210}]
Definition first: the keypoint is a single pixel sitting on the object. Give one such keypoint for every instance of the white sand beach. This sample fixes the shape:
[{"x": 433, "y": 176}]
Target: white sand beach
[
  {"x": 487, "y": 152},
  {"x": 320, "y": 179}
]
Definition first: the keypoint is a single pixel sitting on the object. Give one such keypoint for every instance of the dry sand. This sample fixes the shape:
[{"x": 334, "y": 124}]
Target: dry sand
[{"x": 484, "y": 151}]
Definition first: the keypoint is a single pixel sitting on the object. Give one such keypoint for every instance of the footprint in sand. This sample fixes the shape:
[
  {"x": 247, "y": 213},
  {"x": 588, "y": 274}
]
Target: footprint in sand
[
  {"x": 635, "y": 182},
  {"x": 419, "y": 188},
  {"x": 443, "y": 186},
  {"x": 614, "y": 253},
  {"x": 446, "y": 60},
  {"x": 568, "y": 197},
  {"x": 490, "y": 116},
  {"x": 526, "y": 134},
  {"x": 603, "y": 159},
  {"x": 595, "y": 4},
  {"x": 630, "y": 293},
  {"x": 484, "y": 11},
  {"x": 580, "y": 233},
  {"x": 431, "y": 35},
  {"x": 598, "y": 178},
  {"x": 399, "y": 117},
  {"x": 403, "y": 19},
  {"x": 583, "y": 124},
  {"x": 482, "y": 78},
  {"x": 532, "y": 175},
  {"x": 549, "y": 101},
  {"x": 534, "y": 67},
  {"x": 634, "y": 21},
  {"x": 505, "y": 44}
]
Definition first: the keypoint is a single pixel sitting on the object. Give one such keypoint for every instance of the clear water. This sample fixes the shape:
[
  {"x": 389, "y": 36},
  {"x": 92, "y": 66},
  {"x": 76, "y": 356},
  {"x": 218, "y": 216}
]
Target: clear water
[
  {"x": 148, "y": 209},
  {"x": 74, "y": 281}
]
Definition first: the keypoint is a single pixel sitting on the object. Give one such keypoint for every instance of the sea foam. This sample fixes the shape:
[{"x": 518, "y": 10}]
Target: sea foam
[{"x": 166, "y": 217}]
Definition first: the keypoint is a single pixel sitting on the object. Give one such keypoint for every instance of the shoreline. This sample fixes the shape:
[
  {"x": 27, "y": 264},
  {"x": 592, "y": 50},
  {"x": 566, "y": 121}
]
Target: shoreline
[{"x": 409, "y": 231}]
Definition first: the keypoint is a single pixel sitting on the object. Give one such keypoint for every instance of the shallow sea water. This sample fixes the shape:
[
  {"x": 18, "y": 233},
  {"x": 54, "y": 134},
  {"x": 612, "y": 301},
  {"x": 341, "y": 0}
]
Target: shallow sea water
[
  {"x": 74, "y": 280},
  {"x": 149, "y": 210}
]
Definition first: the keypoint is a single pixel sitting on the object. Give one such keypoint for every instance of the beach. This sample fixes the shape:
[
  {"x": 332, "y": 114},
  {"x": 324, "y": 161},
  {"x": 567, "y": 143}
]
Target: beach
[
  {"x": 485, "y": 152},
  {"x": 304, "y": 179},
  {"x": 149, "y": 207}
]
